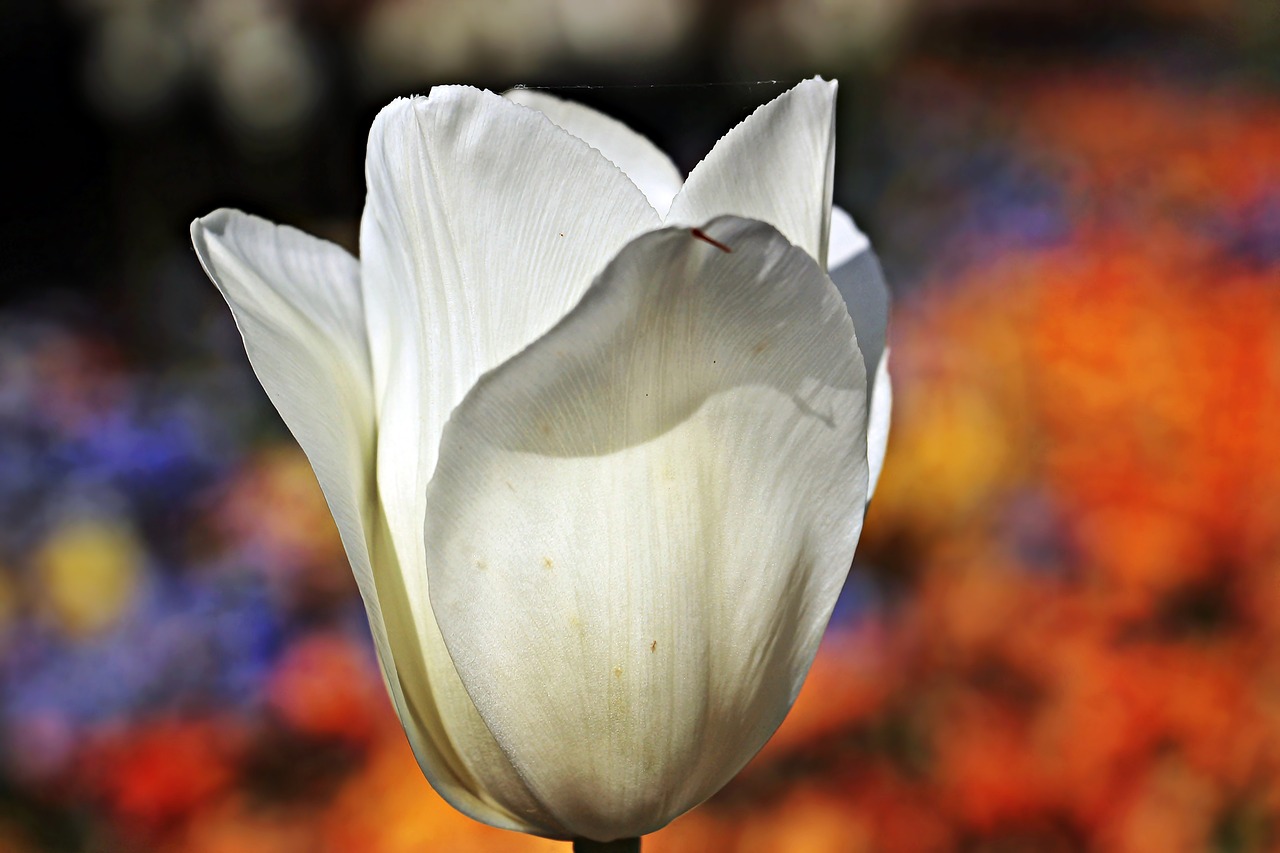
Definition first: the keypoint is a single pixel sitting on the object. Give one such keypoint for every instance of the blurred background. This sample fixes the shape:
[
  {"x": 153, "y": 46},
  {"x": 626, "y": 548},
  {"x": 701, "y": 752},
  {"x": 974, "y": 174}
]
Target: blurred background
[{"x": 1062, "y": 631}]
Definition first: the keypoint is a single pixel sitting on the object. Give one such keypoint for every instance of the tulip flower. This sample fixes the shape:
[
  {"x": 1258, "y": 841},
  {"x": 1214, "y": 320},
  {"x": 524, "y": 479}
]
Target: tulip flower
[{"x": 597, "y": 438}]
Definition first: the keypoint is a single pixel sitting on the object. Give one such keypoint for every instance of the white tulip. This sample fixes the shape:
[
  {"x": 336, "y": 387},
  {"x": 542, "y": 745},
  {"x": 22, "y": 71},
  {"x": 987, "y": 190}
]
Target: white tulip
[{"x": 596, "y": 438}]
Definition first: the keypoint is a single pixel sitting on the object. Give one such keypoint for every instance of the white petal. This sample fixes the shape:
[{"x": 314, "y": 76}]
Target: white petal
[
  {"x": 846, "y": 242},
  {"x": 857, "y": 275},
  {"x": 297, "y": 303},
  {"x": 643, "y": 162},
  {"x": 878, "y": 423},
  {"x": 484, "y": 225},
  {"x": 639, "y": 525},
  {"x": 861, "y": 283},
  {"x": 776, "y": 166}
]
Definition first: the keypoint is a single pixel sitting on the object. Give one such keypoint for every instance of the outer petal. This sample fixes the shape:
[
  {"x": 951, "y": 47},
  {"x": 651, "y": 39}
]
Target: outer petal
[
  {"x": 297, "y": 303},
  {"x": 857, "y": 275},
  {"x": 639, "y": 526},
  {"x": 878, "y": 423},
  {"x": 846, "y": 241},
  {"x": 484, "y": 225},
  {"x": 644, "y": 163},
  {"x": 776, "y": 166}
]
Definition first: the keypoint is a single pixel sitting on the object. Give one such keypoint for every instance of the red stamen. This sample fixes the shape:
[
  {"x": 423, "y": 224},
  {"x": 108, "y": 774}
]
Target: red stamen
[{"x": 702, "y": 235}]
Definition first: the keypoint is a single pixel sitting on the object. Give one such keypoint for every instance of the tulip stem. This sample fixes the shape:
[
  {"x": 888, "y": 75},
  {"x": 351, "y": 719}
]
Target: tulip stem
[{"x": 622, "y": 845}]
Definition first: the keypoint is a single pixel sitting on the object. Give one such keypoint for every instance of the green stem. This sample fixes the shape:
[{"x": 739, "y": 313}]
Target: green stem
[{"x": 622, "y": 845}]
